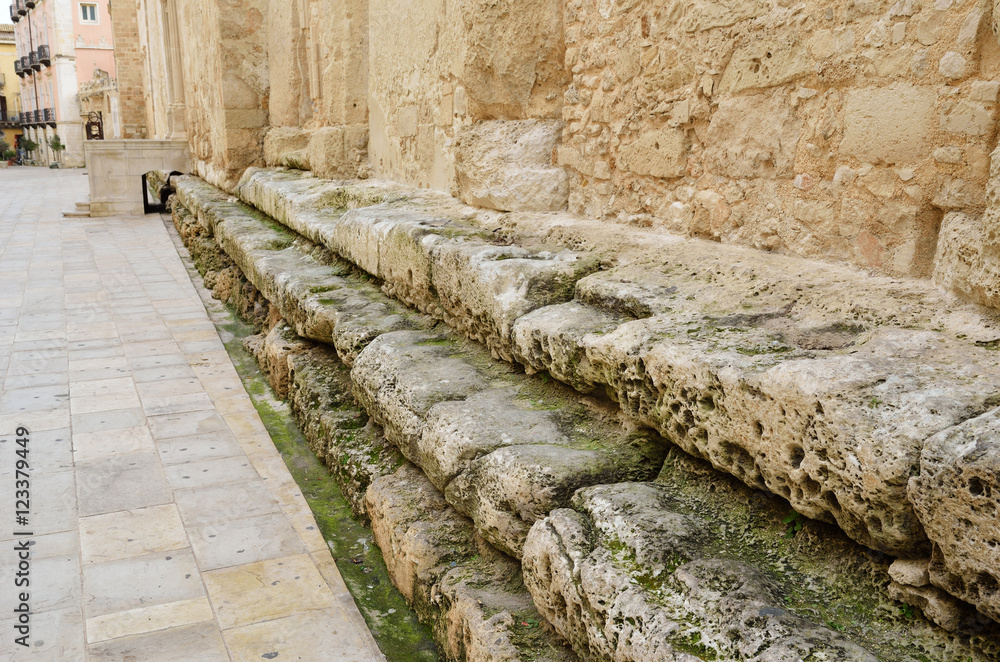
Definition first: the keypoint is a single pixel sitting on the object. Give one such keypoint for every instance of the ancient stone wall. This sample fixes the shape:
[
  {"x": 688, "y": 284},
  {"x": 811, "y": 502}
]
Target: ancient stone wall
[
  {"x": 128, "y": 68},
  {"x": 843, "y": 130}
]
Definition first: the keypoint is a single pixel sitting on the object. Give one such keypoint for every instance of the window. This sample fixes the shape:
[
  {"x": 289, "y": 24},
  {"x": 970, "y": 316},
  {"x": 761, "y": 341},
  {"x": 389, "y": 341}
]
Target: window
[{"x": 88, "y": 12}]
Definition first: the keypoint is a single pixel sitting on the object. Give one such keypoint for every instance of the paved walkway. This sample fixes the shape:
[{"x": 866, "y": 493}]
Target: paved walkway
[{"x": 164, "y": 523}]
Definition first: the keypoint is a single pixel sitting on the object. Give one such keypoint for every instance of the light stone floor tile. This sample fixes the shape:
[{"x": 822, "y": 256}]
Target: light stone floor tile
[
  {"x": 53, "y": 503},
  {"x": 206, "y": 473},
  {"x": 56, "y": 636},
  {"x": 201, "y": 642},
  {"x": 177, "y": 404},
  {"x": 122, "y": 535},
  {"x": 168, "y": 387},
  {"x": 244, "y": 540},
  {"x": 319, "y": 636},
  {"x": 149, "y": 619},
  {"x": 97, "y": 445},
  {"x": 186, "y": 424},
  {"x": 103, "y": 421},
  {"x": 265, "y": 590},
  {"x": 212, "y": 505},
  {"x": 117, "y": 386},
  {"x": 142, "y": 581},
  {"x": 121, "y": 482},
  {"x": 55, "y": 583},
  {"x": 103, "y": 403},
  {"x": 108, "y": 356},
  {"x": 209, "y": 446},
  {"x": 49, "y": 451}
]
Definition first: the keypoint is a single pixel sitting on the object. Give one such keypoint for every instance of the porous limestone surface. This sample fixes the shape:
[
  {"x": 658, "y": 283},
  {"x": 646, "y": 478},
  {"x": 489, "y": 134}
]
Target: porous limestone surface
[
  {"x": 508, "y": 166},
  {"x": 466, "y": 428},
  {"x": 696, "y": 566},
  {"x": 482, "y": 427},
  {"x": 957, "y": 499},
  {"x": 425, "y": 250},
  {"x": 813, "y": 381},
  {"x": 472, "y": 595},
  {"x": 309, "y": 287},
  {"x": 317, "y": 386},
  {"x": 692, "y": 608}
]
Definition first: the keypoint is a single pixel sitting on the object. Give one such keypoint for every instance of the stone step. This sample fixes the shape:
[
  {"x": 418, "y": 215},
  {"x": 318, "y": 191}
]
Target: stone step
[
  {"x": 80, "y": 210},
  {"x": 407, "y": 379},
  {"x": 813, "y": 381}
]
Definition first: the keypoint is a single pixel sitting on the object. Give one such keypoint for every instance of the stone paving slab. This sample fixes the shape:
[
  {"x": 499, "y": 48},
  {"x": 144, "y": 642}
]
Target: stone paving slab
[{"x": 164, "y": 523}]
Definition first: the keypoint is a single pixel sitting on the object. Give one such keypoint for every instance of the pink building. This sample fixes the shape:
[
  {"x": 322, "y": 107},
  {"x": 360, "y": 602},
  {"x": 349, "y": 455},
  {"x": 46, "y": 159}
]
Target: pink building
[{"x": 61, "y": 45}]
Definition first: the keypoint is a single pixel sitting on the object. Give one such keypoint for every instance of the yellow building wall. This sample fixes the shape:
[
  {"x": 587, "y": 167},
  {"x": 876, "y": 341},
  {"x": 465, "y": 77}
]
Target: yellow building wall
[{"x": 11, "y": 88}]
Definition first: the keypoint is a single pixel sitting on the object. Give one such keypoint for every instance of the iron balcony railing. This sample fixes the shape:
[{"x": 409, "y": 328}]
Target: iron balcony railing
[
  {"x": 17, "y": 68},
  {"x": 30, "y": 4},
  {"x": 21, "y": 9},
  {"x": 26, "y": 66},
  {"x": 50, "y": 117},
  {"x": 33, "y": 61},
  {"x": 14, "y": 16},
  {"x": 43, "y": 55},
  {"x": 39, "y": 116}
]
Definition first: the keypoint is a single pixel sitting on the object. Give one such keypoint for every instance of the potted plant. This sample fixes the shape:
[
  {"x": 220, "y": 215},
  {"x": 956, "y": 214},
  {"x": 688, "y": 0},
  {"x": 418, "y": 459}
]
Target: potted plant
[
  {"x": 4, "y": 149},
  {"x": 9, "y": 155},
  {"x": 29, "y": 145},
  {"x": 57, "y": 147}
]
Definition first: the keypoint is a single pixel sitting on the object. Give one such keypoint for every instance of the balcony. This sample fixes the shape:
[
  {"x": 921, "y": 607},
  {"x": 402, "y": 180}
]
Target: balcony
[
  {"x": 25, "y": 66},
  {"x": 50, "y": 117},
  {"x": 21, "y": 9},
  {"x": 33, "y": 61},
  {"x": 30, "y": 4},
  {"x": 14, "y": 16},
  {"x": 9, "y": 120},
  {"x": 43, "y": 55},
  {"x": 17, "y": 68}
]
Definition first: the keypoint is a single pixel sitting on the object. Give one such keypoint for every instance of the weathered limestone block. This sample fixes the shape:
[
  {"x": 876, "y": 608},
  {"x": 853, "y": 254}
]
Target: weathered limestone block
[
  {"x": 495, "y": 463},
  {"x": 753, "y": 136},
  {"x": 471, "y": 595},
  {"x": 507, "y": 165},
  {"x": 770, "y": 396},
  {"x": 760, "y": 63},
  {"x": 660, "y": 153},
  {"x": 892, "y": 124},
  {"x": 401, "y": 375},
  {"x": 625, "y": 576},
  {"x": 939, "y": 607},
  {"x": 484, "y": 289},
  {"x": 966, "y": 256},
  {"x": 314, "y": 295},
  {"x": 556, "y": 332},
  {"x": 339, "y": 152},
  {"x": 286, "y": 146},
  {"x": 458, "y": 432},
  {"x": 957, "y": 496},
  {"x": 272, "y": 353},
  {"x": 506, "y": 491},
  {"x": 513, "y": 55}
]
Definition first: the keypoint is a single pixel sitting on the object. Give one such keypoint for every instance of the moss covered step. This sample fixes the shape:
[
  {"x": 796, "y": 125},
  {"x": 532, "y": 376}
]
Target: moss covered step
[
  {"x": 696, "y": 566},
  {"x": 425, "y": 248},
  {"x": 472, "y": 595},
  {"x": 313, "y": 290},
  {"x": 502, "y": 452},
  {"x": 317, "y": 386},
  {"x": 821, "y": 409}
]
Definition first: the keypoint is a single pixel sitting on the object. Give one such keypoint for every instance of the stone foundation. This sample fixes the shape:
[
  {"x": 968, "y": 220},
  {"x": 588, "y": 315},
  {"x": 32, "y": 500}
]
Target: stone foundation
[{"x": 649, "y": 576}]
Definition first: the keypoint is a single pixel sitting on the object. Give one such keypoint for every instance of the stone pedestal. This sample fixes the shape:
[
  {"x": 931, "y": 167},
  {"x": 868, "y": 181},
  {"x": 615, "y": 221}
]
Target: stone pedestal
[{"x": 116, "y": 168}]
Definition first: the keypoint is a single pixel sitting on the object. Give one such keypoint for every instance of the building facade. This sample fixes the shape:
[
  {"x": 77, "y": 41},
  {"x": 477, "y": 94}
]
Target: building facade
[
  {"x": 10, "y": 91},
  {"x": 60, "y": 45}
]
